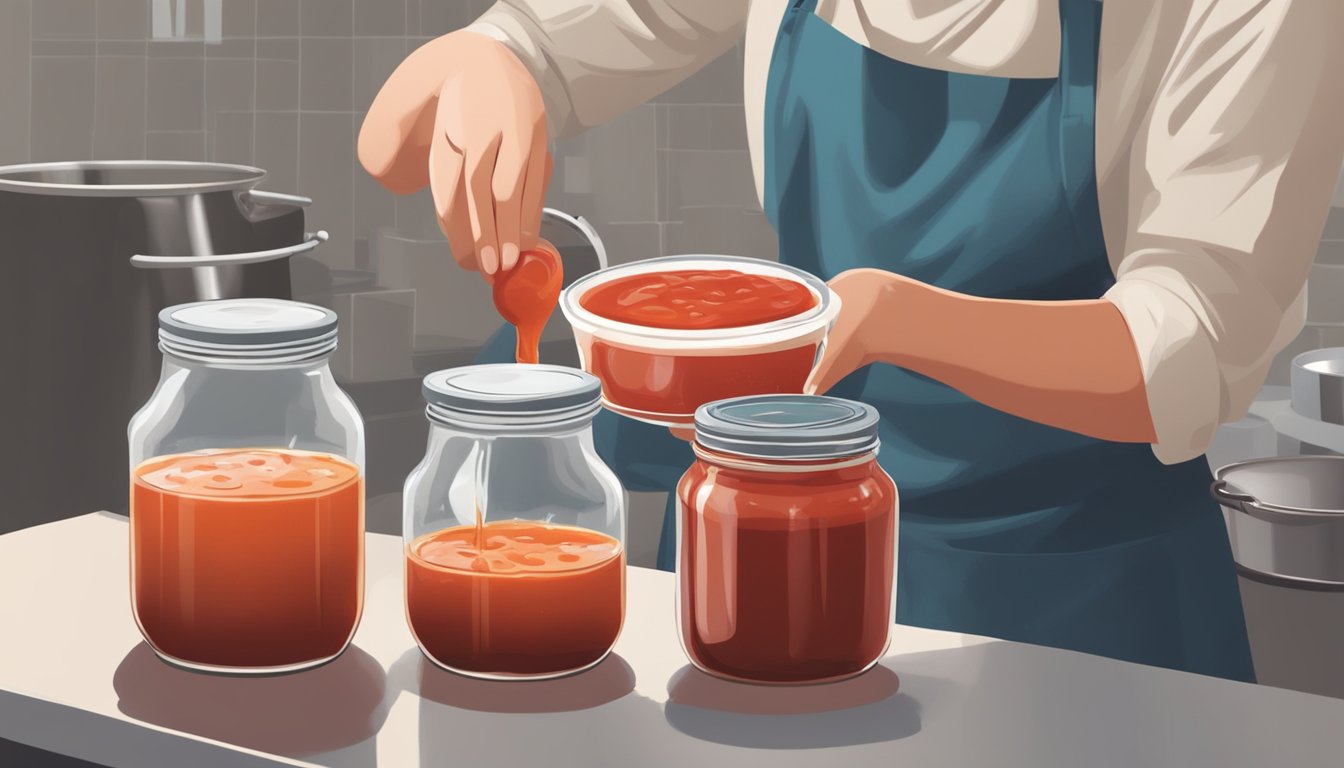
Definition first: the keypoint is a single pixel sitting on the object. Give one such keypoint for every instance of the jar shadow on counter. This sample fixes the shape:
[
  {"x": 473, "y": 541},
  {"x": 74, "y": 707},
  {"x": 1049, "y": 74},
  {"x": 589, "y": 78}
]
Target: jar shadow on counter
[
  {"x": 324, "y": 709},
  {"x": 610, "y": 680},
  {"x": 866, "y": 709}
]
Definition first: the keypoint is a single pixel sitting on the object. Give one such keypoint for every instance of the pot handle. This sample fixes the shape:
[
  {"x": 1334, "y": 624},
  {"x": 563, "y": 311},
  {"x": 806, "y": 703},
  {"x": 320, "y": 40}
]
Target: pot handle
[
  {"x": 229, "y": 259},
  {"x": 1225, "y": 494},
  {"x": 1229, "y": 496},
  {"x": 261, "y": 197}
]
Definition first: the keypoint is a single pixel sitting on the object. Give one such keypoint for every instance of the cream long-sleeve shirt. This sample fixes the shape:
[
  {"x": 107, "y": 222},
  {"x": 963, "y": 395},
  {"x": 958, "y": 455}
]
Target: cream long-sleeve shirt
[{"x": 1219, "y": 135}]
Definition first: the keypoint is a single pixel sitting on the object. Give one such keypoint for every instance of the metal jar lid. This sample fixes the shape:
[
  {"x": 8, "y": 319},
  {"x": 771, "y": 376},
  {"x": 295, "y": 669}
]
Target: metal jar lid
[
  {"x": 507, "y": 394},
  {"x": 787, "y": 427},
  {"x": 248, "y": 330}
]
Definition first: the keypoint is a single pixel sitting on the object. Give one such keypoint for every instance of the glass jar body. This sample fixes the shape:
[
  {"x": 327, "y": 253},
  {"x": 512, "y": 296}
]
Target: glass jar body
[
  {"x": 515, "y": 552},
  {"x": 247, "y": 516},
  {"x": 786, "y": 570}
]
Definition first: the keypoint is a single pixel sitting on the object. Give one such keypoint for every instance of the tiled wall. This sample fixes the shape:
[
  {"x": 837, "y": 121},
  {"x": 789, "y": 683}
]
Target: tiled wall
[{"x": 285, "y": 88}]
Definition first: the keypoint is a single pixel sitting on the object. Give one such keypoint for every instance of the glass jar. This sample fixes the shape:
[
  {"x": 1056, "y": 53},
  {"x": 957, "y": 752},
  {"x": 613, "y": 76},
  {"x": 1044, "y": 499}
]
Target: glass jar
[
  {"x": 514, "y": 527},
  {"x": 786, "y": 530},
  {"x": 247, "y": 492}
]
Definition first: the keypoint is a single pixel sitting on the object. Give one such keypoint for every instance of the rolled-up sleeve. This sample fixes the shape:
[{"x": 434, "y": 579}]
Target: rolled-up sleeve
[
  {"x": 1229, "y": 181},
  {"x": 595, "y": 60}
]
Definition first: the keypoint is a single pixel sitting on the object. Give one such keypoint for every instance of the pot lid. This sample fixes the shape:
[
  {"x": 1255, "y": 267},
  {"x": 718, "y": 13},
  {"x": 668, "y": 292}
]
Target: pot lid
[{"x": 126, "y": 178}]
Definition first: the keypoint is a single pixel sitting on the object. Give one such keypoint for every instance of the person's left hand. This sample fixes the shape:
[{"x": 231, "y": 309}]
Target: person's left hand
[{"x": 861, "y": 329}]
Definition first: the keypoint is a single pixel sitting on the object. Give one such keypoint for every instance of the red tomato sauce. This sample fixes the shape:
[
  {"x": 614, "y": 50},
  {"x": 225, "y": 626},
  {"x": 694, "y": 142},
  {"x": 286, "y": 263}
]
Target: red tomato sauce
[
  {"x": 248, "y": 558},
  {"x": 526, "y": 295},
  {"x": 639, "y": 382},
  {"x": 698, "y": 299},
  {"x": 515, "y": 597},
  {"x": 786, "y": 577}
]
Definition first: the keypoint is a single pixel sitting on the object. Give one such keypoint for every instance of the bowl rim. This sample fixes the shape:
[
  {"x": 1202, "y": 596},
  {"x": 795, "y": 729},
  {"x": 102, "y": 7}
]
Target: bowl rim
[{"x": 823, "y": 313}]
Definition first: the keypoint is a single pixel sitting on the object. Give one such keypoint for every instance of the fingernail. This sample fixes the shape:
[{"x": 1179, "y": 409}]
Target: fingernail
[
  {"x": 510, "y": 256},
  {"x": 488, "y": 262}
]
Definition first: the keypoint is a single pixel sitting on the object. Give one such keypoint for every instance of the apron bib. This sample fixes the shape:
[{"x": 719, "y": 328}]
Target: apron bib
[{"x": 987, "y": 186}]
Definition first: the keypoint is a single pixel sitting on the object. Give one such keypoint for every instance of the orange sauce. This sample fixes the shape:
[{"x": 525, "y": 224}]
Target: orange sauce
[
  {"x": 247, "y": 558},
  {"x": 698, "y": 299},
  {"x": 531, "y": 599},
  {"x": 526, "y": 295}
]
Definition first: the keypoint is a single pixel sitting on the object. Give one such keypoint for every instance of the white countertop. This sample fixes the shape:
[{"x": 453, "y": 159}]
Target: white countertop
[{"x": 75, "y": 678}]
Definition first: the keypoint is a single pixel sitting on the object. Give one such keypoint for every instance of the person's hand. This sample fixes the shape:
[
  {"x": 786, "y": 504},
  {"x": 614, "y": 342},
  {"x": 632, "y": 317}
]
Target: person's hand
[
  {"x": 463, "y": 115},
  {"x": 855, "y": 339}
]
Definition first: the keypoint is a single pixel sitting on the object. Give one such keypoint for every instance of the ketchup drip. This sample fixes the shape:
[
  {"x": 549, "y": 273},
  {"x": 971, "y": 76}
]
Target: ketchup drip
[{"x": 526, "y": 295}]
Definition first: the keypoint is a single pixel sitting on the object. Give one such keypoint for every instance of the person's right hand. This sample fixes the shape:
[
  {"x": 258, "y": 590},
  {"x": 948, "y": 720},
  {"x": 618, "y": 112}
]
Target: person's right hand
[{"x": 464, "y": 115}]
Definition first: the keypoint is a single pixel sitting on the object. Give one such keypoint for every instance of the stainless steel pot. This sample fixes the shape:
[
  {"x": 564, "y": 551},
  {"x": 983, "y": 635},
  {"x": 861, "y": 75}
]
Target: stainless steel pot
[
  {"x": 1317, "y": 379},
  {"x": 91, "y": 252},
  {"x": 1285, "y": 517}
]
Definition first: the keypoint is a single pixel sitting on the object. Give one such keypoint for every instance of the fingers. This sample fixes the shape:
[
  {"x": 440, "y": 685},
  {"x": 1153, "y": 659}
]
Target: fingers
[
  {"x": 507, "y": 187},
  {"x": 480, "y": 168},
  {"x": 840, "y": 357},
  {"x": 538, "y": 178},
  {"x": 447, "y": 185}
]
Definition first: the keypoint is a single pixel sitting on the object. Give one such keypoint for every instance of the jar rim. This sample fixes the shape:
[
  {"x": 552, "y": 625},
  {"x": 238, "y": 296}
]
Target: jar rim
[{"x": 777, "y": 464}]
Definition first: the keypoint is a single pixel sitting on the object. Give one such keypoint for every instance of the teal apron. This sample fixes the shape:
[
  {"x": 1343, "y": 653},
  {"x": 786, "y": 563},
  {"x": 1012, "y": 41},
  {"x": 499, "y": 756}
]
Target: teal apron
[{"x": 983, "y": 185}]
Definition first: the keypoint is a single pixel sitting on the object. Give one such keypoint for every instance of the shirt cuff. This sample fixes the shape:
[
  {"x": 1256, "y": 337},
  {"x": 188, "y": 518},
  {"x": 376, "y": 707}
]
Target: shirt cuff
[{"x": 1180, "y": 367}]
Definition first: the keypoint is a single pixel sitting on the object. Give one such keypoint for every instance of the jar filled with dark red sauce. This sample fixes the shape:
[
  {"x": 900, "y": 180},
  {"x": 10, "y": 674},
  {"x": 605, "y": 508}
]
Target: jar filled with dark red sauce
[{"x": 787, "y": 531}]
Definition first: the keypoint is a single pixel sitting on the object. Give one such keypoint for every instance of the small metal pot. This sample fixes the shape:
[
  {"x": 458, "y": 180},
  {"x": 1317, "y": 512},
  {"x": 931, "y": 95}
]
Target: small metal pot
[
  {"x": 1317, "y": 379},
  {"x": 1285, "y": 517},
  {"x": 92, "y": 251}
]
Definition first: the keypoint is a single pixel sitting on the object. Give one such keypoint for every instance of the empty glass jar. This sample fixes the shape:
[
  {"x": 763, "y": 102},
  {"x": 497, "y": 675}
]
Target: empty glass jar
[
  {"x": 247, "y": 492},
  {"x": 514, "y": 527},
  {"x": 787, "y": 539}
]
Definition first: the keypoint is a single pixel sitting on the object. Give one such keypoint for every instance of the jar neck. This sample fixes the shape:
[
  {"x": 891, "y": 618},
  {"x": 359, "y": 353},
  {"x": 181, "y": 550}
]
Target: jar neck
[
  {"x": 783, "y": 466},
  {"x": 551, "y": 432},
  {"x": 318, "y": 365}
]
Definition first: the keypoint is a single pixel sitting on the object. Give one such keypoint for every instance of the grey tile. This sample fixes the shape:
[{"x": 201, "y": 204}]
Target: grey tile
[
  {"x": 374, "y": 335},
  {"x": 176, "y": 94},
  {"x": 631, "y": 240},
  {"x": 232, "y": 48},
  {"x": 119, "y": 108},
  {"x": 177, "y": 49},
  {"x": 325, "y": 18},
  {"x": 380, "y": 17},
  {"x": 439, "y": 18},
  {"x": 64, "y": 19},
  {"x": 720, "y": 82},
  {"x": 730, "y": 230},
  {"x": 727, "y": 127},
  {"x": 624, "y": 157},
  {"x": 231, "y": 138},
  {"x": 416, "y": 217},
  {"x": 1310, "y": 338},
  {"x": 240, "y": 18},
  {"x": 175, "y": 145},
  {"x": 687, "y": 126},
  {"x": 453, "y": 307},
  {"x": 326, "y": 174},
  {"x": 278, "y": 18},
  {"x": 412, "y": 16},
  {"x": 276, "y": 150},
  {"x": 122, "y": 19},
  {"x": 15, "y": 79},
  {"x": 278, "y": 48},
  {"x": 123, "y": 48},
  {"x": 62, "y": 108},
  {"x": 277, "y": 85},
  {"x": 375, "y": 58},
  {"x": 375, "y": 208},
  {"x": 325, "y": 74},
  {"x": 64, "y": 47},
  {"x": 229, "y": 84},
  {"x": 708, "y": 177}
]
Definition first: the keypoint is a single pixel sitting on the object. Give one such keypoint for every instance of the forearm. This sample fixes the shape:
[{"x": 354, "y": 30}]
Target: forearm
[{"x": 1069, "y": 364}]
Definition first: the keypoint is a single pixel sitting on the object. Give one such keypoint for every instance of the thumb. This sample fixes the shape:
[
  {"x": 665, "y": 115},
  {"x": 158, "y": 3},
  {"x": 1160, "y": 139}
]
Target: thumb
[{"x": 839, "y": 358}]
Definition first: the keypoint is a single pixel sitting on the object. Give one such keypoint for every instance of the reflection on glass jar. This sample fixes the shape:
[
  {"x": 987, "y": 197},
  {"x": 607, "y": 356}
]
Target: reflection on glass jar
[
  {"x": 247, "y": 492},
  {"x": 514, "y": 528},
  {"x": 787, "y": 537}
]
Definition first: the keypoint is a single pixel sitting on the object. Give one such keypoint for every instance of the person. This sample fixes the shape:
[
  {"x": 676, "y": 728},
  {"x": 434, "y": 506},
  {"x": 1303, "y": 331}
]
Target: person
[{"x": 1069, "y": 238}]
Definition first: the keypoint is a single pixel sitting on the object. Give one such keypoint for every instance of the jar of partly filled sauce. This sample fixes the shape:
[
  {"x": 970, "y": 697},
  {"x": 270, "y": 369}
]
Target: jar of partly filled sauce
[
  {"x": 247, "y": 492},
  {"x": 787, "y": 530},
  {"x": 514, "y": 528}
]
